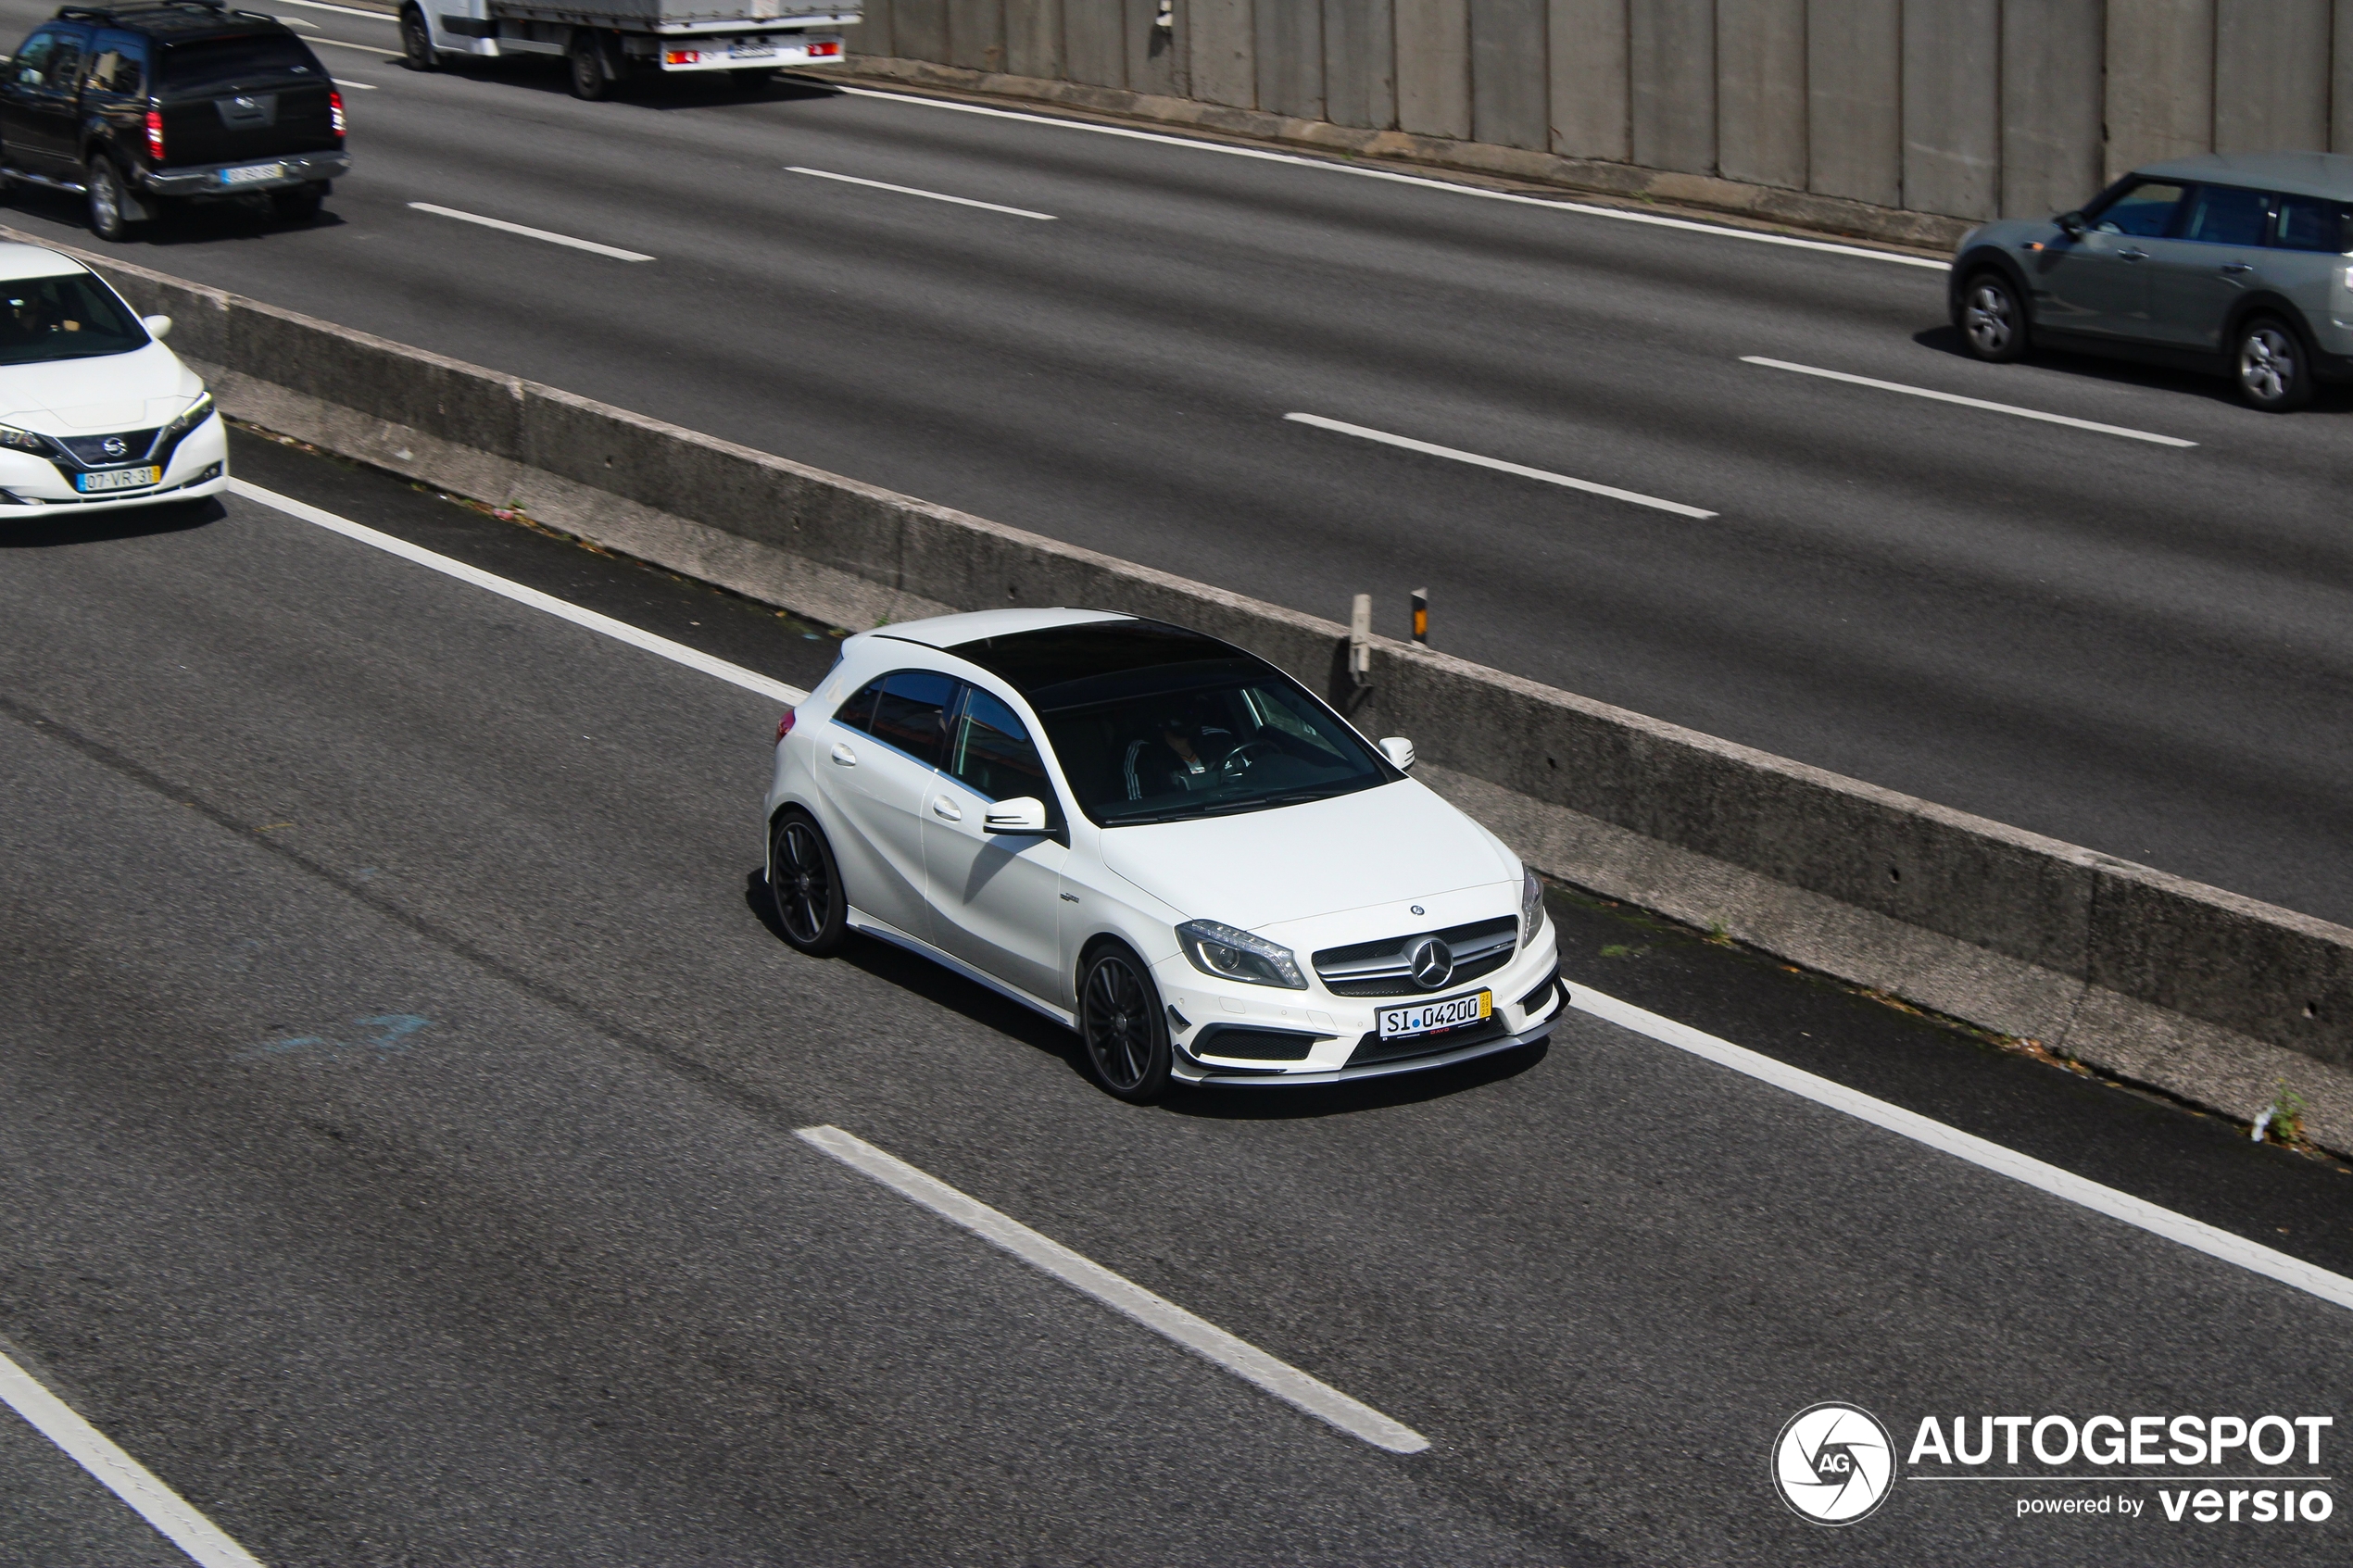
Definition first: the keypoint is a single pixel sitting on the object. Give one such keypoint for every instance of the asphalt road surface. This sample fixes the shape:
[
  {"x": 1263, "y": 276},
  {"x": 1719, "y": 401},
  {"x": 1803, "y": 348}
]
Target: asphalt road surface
[
  {"x": 398, "y": 1105},
  {"x": 2127, "y": 645}
]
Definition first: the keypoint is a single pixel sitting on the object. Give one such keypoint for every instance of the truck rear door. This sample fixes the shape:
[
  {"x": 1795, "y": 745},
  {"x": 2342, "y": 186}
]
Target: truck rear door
[{"x": 242, "y": 98}]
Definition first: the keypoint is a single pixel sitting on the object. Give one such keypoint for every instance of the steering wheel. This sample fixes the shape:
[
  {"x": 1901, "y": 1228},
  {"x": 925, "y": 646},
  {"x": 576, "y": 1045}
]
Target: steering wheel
[{"x": 1239, "y": 761}]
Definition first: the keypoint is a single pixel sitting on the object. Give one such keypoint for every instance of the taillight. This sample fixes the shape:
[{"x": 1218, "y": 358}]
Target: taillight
[
  {"x": 825, "y": 47},
  {"x": 681, "y": 57},
  {"x": 155, "y": 135},
  {"x": 335, "y": 113},
  {"x": 783, "y": 726}
]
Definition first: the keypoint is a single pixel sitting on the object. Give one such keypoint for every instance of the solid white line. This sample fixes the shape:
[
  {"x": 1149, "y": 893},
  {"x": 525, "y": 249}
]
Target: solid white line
[
  {"x": 363, "y": 86},
  {"x": 169, "y": 1512},
  {"x": 346, "y": 10},
  {"x": 1966, "y": 402},
  {"x": 620, "y": 631},
  {"x": 553, "y": 239},
  {"x": 1392, "y": 176},
  {"x": 911, "y": 191},
  {"x": 1410, "y": 444},
  {"x": 364, "y": 48},
  {"x": 2195, "y": 1235},
  {"x": 1162, "y": 1316}
]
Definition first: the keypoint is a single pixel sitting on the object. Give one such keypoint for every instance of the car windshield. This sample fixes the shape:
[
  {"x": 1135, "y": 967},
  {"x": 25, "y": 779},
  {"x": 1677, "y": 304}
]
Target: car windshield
[
  {"x": 70, "y": 318},
  {"x": 217, "y": 62},
  {"x": 1204, "y": 740}
]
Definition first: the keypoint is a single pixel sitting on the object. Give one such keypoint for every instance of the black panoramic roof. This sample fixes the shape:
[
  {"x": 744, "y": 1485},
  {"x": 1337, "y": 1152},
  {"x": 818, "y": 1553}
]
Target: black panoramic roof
[
  {"x": 1065, "y": 666},
  {"x": 183, "y": 17}
]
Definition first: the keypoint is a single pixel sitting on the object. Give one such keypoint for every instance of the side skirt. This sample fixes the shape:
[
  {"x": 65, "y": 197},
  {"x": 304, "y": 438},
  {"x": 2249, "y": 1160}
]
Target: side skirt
[{"x": 861, "y": 922}]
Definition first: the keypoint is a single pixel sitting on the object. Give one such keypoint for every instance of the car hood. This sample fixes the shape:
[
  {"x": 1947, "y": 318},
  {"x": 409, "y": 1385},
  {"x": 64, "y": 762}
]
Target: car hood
[
  {"x": 1380, "y": 846},
  {"x": 135, "y": 390}
]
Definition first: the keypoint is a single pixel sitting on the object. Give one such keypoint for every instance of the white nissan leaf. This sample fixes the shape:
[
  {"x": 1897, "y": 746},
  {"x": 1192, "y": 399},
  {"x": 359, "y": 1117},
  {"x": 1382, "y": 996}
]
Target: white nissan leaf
[
  {"x": 1158, "y": 840},
  {"x": 95, "y": 413}
]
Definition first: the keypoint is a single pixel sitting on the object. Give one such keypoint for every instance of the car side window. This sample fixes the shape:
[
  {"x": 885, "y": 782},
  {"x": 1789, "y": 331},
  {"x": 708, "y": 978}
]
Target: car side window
[
  {"x": 2226, "y": 215},
  {"x": 911, "y": 713},
  {"x": 33, "y": 60},
  {"x": 857, "y": 712},
  {"x": 115, "y": 68},
  {"x": 64, "y": 74},
  {"x": 2144, "y": 209},
  {"x": 2310, "y": 223},
  {"x": 993, "y": 753}
]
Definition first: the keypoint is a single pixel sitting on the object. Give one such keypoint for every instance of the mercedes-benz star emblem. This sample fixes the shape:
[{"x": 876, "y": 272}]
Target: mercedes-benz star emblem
[
  {"x": 115, "y": 447},
  {"x": 1432, "y": 962}
]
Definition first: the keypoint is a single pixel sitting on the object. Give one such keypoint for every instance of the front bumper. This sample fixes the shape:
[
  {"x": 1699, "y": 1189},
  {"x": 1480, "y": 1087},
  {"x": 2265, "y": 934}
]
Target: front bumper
[
  {"x": 33, "y": 486},
  {"x": 216, "y": 178},
  {"x": 1335, "y": 1028}
]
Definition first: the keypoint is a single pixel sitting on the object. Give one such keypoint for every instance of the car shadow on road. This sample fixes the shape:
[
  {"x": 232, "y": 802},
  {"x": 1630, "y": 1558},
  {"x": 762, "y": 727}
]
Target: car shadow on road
[
  {"x": 686, "y": 90},
  {"x": 51, "y": 530},
  {"x": 2123, "y": 372},
  {"x": 247, "y": 218}
]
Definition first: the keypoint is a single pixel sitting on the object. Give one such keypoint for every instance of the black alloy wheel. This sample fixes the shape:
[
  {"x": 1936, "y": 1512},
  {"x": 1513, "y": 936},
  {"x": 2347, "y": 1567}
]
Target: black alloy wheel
[
  {"x": 1121, "y": 1026},
  {"x": 102, "y": 180},
  {"x": 2272, "y": 366},
  {"x": 593, "y": 76},
  {"x": 300, "y": 204},
  {"x": 1992, "y": 319},
  {"x": 805, "y": 884},
  {"x": 416, "y": 40}
]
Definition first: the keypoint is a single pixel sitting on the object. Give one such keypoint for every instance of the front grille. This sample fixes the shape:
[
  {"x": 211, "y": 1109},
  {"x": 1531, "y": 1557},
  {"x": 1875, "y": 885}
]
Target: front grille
[
  {"x": 1253, "y": 1045},
  {"x": 1372, "y": 1047},
  {"x": 91, "y": 452},
  {"x": 1381, "y": 969}
]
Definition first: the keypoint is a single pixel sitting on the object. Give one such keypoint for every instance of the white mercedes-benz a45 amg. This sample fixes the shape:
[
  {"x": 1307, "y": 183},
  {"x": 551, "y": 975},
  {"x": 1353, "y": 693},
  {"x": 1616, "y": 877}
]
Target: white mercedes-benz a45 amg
[{"x": 1158, "y": 840}]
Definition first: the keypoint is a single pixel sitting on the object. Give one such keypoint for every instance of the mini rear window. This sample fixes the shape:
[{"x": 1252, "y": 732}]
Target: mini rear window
[{"x": 233, "y": 62}]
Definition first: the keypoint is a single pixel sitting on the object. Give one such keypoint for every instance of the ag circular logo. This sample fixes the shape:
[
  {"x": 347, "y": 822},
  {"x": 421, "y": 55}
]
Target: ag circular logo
[{"x": 1833, "y": 1463}]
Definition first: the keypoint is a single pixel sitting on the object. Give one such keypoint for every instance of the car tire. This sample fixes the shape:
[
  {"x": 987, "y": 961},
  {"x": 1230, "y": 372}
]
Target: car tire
[
  {"x": 2272, "y": 365},
  {"x": 1992, "y": 319},
  {"x": 1123, "y": 1034},
  {"x": 804, "y": 886},
  {"x": 300, "y": 204},
  {"x": 103, "y": 182},
  {"x": 590, "y": 67},
  {"x": 416, "y": 40}
]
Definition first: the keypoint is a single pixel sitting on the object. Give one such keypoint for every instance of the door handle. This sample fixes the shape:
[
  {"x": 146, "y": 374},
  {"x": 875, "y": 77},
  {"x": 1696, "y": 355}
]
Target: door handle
[
  {"x": 2132, "y": 256},
  {"x": 844, "y": 756},
  {"x": 947, "y": 810},
  {"x": 2232, "y": 269}
]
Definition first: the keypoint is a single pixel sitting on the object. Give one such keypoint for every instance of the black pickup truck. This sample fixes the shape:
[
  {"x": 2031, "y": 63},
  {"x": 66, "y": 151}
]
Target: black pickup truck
[{"x": 139, "y": 107}]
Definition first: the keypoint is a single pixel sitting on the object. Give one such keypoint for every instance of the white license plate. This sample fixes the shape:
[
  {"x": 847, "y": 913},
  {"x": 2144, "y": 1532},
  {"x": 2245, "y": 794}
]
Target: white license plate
[
  {"x": 750, "y": 51},
  {"x": 247, "y": 176},
  {"x": 117, "y": 479},
  {"x": 1425, "y": 1018}
]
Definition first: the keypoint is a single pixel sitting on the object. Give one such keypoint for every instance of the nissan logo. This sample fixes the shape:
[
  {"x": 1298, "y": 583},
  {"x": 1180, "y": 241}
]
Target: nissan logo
[
  {"x": 1432, "y": 962},
  {"x": 115, "y": 447}
]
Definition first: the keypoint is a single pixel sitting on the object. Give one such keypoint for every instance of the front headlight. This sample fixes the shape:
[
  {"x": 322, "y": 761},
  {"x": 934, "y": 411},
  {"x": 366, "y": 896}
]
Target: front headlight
[
  {"x": 1229, "y": 954},
  {"x": 1531, "y": 904},
  {"x": 23, "y": 441},
  {"x": 190, "y": 417}
]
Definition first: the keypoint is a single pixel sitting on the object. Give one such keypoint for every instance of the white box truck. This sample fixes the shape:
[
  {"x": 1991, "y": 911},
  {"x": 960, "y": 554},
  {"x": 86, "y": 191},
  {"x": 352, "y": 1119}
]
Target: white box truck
[{"x": 606, "y": 41}]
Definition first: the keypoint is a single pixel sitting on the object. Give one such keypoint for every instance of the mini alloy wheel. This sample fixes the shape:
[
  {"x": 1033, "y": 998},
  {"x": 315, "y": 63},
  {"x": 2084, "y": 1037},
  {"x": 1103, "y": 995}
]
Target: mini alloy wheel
[
  {"x": 104, "y": 183},
  {"x": 2273, "y": 372},
  {"x": 804, "y": 883},
  {"x": 1992, "y": 322},
  {"x": 1121, "y": 1027}
]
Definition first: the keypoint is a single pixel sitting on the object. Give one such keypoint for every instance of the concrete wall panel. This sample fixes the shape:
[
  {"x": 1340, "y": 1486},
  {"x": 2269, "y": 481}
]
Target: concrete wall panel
[
  {"x": 872, "y": 35},
  {"x": 1854, "y": 90},
  {"x": 1093, "y": 50},
  {"x": 1760, "y": 91},
  {"x": 1359, "y": 63},
  {"x": 2341, "y": 79},
  {"x": 1671, "y": 64},
  {"x": 919, "y": 28},
  {"x": 1291, "y": 58},
  {"x": 976, "y": 34},
  {"x": 2270, "y": 75},
  {"x": 2053, "y": 65},
  {"x": 1952, "y": 96},
  {"x": 1433, "y": 67},
  {"x": 1034, "y": 38},
  {"x": 1222, "y": 51},
  {"x": 1508, "y": 88},
  {"x": 2160, "y": 82},
  {"x": 1589, "y": 82}
]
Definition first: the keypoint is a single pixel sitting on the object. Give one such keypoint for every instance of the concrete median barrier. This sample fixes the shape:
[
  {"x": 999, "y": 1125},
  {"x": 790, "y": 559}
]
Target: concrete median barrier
[{"x": 2220, "y": 999}]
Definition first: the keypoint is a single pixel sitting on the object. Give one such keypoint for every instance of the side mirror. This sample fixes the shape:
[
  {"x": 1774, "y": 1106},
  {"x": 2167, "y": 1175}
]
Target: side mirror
[
  {"x": 1026, "y": 814},
  {"x": 2072, "y": 225},
  {"x": 1400, "y": 752},
  {"x": 157, "y": 326}
]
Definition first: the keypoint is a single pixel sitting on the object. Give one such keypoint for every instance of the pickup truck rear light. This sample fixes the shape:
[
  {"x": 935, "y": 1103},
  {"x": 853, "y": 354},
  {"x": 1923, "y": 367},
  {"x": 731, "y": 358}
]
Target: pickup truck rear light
[
  {"x": 824, "y": 47},
  {"x": 334, "y": 110},
  {"x": 155, "y": 135},
  {"x": 681, "y": 57}
]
